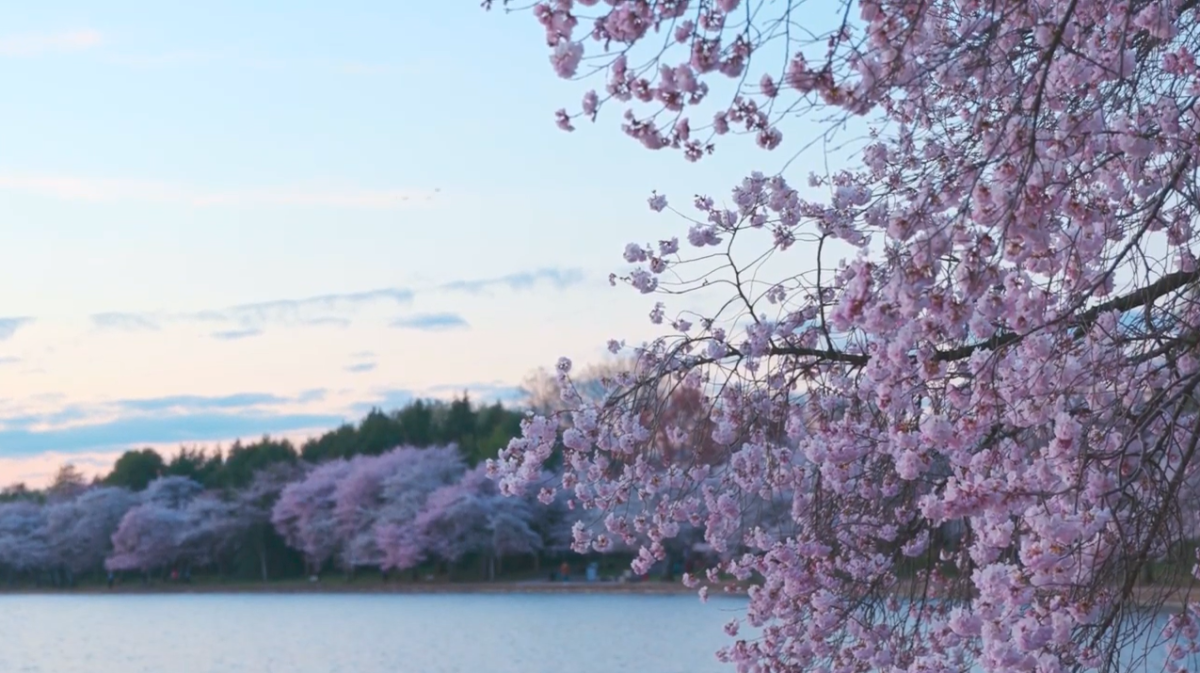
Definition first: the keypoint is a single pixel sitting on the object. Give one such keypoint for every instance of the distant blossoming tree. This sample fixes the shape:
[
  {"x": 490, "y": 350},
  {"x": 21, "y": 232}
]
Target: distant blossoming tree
[
  {"x": 256, "y": 501},
  {"x": 80, "y": 530},
  {"x": 303, "y": 515},
  {"x": 470, "y": 517},
  {"x": 148, "y": 538},
  {"x": 172, "y": 492},
  {"x": 404, "y": 494},
  {"x": 24, "y": 545},
  {"x": 213, "y": 529},
  {"x": 983, "y": 319},
  {"x": 364, "y": 511},
  {"x": 358, "y": 500},
  {"x": 154, "y": 534}
]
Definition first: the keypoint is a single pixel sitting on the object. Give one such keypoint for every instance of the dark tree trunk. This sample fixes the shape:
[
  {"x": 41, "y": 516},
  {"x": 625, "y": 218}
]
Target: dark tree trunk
[{"x": 262, "y": 560}]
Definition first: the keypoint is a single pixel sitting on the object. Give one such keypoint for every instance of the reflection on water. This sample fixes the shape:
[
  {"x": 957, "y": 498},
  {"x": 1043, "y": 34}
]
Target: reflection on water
[{"x": 362, "y": 634}]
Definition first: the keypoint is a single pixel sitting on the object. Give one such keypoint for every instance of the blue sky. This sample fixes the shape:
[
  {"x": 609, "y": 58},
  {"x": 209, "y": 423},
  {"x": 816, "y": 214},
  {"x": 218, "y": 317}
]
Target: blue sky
[{"x": 222, "y": 219}]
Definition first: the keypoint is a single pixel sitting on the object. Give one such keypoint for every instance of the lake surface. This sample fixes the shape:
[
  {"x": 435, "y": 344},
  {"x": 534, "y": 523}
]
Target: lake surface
[{"x": 356, "y": 633}]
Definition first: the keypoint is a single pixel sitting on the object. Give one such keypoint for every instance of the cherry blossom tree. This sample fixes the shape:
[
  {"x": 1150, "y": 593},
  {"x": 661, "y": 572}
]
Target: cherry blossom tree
[
  {"x": 358, "y": 499},
  {"x": 213, "y": 528},
  {"x": 148, "y": 538},
  {"x": 510, "y": 524},
  {"x": 304, "y": 517},
  {"x": 24, "y": 546},
  {"x": 256, "y": 501},
  {"x": 80, "y": 530},
  {"x": 363, "y": 511},
  {"x": 403, "y": 496},
  {"x": 471, "y": 517},
  {"x": 977, "y": 312},
  {"x": 453, "y": 522},
  {"x": 172, "y": 492},
  {"x": 155, "y": 533}
]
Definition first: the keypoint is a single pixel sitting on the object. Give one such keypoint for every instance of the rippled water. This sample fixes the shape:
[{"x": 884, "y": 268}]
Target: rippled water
[{"x": 390, "y": 633}]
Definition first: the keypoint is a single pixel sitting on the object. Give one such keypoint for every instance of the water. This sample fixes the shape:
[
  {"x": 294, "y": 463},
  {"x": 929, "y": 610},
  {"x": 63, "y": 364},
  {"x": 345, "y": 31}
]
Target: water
[{"x": 305, "y": 633}]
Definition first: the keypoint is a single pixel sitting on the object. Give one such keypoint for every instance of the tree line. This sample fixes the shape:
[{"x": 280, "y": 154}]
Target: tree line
[
  {"x": 219, "y": 501},
  {"x": 403, "y": 493},
  {"x": 477, "y": 431}
]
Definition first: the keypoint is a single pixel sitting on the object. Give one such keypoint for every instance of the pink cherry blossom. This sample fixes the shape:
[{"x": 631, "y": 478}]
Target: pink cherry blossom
[{"x": 966, "y": 338}]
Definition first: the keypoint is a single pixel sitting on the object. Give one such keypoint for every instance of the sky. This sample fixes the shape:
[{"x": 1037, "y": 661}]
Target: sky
[{"x": 226, "y": 219}]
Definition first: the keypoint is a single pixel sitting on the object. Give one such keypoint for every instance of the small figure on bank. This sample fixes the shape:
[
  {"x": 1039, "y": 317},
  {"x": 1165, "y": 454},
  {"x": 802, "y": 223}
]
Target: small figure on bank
[
  {"x": 565, "y": 571},
  {"x": 111, "y": 579}
]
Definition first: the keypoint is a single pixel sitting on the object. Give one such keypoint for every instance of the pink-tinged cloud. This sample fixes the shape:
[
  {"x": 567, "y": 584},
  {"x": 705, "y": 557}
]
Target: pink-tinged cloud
[
  {"x": 102, "y": 190},
  {"x": 36, "y": 44}
]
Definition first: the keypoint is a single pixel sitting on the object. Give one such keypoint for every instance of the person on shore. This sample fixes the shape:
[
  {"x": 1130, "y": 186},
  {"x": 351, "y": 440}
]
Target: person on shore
[
  {"x": 565, "y": 571},
  {"x": 111, "y": 579}
]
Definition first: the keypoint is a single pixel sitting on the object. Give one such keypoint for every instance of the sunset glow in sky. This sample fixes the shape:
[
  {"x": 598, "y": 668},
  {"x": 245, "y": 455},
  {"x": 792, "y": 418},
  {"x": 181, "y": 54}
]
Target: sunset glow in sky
[{"x": 222, "y": 221}]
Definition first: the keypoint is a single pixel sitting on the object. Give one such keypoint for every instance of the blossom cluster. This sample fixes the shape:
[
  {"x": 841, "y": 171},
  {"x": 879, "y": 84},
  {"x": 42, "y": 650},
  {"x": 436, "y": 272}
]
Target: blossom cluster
[{"x": 962, "y": 440}]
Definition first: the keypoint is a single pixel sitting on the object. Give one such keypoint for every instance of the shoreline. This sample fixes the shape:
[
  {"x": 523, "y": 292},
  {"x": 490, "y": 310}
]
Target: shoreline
[
  {"x": 367, "y": 587},
  {"x": 1167, "y": 599}
]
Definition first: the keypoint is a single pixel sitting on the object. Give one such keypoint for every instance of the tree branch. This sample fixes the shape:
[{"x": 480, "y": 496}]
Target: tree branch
[{"x": 1141, "y": 297}]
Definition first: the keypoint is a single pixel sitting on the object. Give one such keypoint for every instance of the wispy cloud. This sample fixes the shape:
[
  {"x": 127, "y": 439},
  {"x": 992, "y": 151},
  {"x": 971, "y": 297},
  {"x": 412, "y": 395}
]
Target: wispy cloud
[
  {"x": 74, "y": 414},
  {"x": 37, "y": 44},
  {"x": 127, "y": 322},
  {"x": 320, "y": 309},
  {"x": 159, "y": 420},
  {"x": 557, "y": 278},
  {"x": 251, "y": 319},
  {"x": 236, "y": 334},
  {"x": 431, "y": 322},
  {"x": 106, "y": 190},
  {"x": 334, "y": 310},
  {"x": 154, "y": 429},
  {"x": 9, "y": 360},
  {"x": 491, "y": 391},
  {"x": 386, "y": 399},
  {"x": 193, "y": 402},
  {"x": 362, "y": 361},
  {"x": 9, "y": 326},
  {"x": 314, "y": 395}
]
